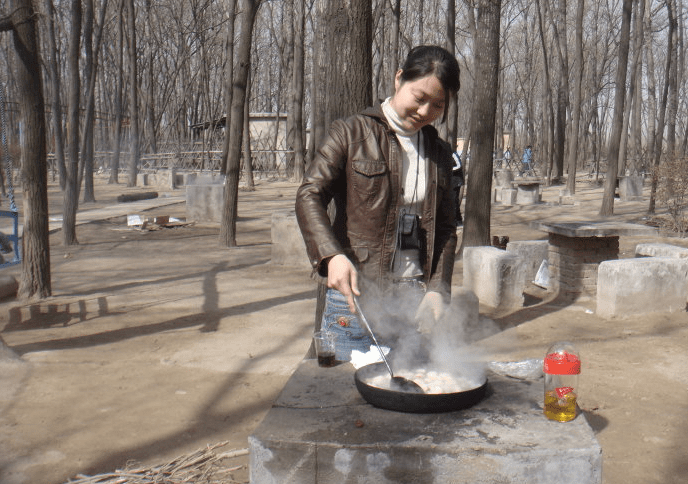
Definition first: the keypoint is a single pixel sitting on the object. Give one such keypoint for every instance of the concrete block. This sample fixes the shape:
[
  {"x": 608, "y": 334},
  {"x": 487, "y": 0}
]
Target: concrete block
[
  {"x": 496, "y": 276},
  {"x": 288, "y": 247},
  {"x": 142, "y": 179},
  {"x": 320, "y": 430},
  {"x": 204, "y": 202},
  {"x": 533, "y": 252},
  {"x": 631, "y": 188},
  {"x": 503, "y": 178},
  {"x": 528, "y": 193},
  {"x": 507, "y": 196},
  {"x": 628, "y": 287},
  {"x": 661, "y": 250}
]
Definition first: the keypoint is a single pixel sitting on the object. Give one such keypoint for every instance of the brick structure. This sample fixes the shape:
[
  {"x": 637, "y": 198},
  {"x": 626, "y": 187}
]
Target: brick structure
[{"x": 574, "y": 261}]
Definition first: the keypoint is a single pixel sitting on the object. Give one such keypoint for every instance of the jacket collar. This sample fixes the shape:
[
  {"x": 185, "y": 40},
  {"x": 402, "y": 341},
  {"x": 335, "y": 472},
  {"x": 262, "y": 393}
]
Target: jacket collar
[{"x": 375, "y": 112}]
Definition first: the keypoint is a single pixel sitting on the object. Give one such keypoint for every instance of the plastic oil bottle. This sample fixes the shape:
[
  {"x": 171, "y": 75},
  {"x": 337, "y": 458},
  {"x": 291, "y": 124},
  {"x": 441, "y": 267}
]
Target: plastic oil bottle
[{"x": 561, "y": 367}]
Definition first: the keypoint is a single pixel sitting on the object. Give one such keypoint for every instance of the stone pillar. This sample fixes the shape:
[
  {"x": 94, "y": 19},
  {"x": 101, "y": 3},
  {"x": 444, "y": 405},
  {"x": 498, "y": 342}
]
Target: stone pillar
[
  {"x": 288, "y": 247},
  {"x": 631, "y": 188}
]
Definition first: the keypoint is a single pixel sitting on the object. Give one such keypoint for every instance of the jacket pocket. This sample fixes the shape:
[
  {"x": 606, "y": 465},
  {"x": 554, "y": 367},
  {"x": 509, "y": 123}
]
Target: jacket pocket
[{"x": 368, "y": 175}]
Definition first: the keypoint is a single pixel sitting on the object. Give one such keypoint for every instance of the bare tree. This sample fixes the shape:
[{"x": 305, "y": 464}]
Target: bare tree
[
  {"x": 35, "y": 275},
  {"x": 479, "y": 186},
  {"x": 55, "y": 83},
  {"x": 71, "y": 191},
  {"x": 229, "y": 69},
  {"x": 577, "y": 89},
  {"x": 119, "y": 86},
  {"x": 298, "y": 89},
  {"x": 659, "y": 135},
  {"x": 134, "y": 96},
  {"x": 607, "y": 207},
  {"x": 549, "y": 111},
  {"x": 247, "y": 16}
]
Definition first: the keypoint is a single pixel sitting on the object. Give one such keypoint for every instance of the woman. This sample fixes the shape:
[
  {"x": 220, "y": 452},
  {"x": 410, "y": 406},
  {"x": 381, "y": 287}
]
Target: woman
[{"x": 389, "y": 175}]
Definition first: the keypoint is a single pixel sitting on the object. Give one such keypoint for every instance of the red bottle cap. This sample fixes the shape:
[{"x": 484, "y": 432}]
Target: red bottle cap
[{"x": 562, "y": 364}]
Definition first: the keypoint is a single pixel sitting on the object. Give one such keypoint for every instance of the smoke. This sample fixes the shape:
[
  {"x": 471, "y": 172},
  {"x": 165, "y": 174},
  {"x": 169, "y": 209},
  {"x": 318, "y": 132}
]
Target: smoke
[{"x": 444, "y": 345}]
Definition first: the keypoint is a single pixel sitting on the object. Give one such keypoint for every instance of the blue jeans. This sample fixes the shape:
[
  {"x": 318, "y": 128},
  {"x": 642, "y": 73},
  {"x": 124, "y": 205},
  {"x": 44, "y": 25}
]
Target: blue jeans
[
  {"x": 350, "y": 335},
  {"x": 339, "y": 321}
]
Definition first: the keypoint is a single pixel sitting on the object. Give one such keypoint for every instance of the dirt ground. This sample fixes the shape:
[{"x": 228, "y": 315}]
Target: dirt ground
[{"x": 157, "y": 343}]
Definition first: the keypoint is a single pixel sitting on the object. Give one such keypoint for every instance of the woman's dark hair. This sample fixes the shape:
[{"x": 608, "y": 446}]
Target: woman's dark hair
[{"x": 425, "y": 60}]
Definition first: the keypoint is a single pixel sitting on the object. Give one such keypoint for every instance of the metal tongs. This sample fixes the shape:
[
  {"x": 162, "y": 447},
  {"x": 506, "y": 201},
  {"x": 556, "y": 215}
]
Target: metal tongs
[{"x": 398, "y": 382}]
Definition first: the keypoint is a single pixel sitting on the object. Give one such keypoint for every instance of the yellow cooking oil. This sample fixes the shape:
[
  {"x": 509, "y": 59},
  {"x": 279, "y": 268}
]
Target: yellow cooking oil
[{"x": 561, "y": 409}]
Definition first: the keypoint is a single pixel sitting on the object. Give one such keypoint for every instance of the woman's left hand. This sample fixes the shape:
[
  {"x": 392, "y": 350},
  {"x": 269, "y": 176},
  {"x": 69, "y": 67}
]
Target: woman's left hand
[{"x": 429, "y": 311}]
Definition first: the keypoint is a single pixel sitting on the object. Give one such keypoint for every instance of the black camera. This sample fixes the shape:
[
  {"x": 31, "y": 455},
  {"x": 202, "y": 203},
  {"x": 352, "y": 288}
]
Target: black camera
[{"x": 409, "y": 231}]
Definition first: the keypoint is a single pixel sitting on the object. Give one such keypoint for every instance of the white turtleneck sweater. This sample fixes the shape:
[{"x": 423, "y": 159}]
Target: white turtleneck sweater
[{"x": 413, "y": 182}]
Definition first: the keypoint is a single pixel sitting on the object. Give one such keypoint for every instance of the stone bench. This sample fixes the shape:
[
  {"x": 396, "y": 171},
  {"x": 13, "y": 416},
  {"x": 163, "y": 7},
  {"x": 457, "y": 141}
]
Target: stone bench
[
  {"x": 533, "y": 252},
  {"x": 288, "y": 247},
  {"x": 661, "y": 250},
  {"x": 627, "y": 287},
  {"x": 497, "y": 277},
  {"x": 527, "y": 192},
  {"x": 205, "y": 199}
]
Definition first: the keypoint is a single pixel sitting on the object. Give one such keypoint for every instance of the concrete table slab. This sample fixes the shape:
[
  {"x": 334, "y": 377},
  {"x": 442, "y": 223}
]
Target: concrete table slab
[
  {"x": 596, "y": 229},
  {"x": 320, "y": 430}
]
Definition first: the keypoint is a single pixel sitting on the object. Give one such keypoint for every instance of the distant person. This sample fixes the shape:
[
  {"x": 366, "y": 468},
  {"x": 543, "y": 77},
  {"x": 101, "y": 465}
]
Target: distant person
[
  {"x": 526, "y": 161},
  {"x": 389, "y": 175},
  {"x": 507, "y": 158}
]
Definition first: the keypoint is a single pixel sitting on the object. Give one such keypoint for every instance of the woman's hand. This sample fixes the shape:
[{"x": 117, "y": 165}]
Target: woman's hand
[
  {"x": 429, "y": 311},
  {"x": 343, "y": 276}
]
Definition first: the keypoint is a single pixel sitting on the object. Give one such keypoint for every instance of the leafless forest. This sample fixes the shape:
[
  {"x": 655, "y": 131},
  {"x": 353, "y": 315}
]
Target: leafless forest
[
  {"x": 182, "y": 55},
  {"x": 593, "y": 87}
]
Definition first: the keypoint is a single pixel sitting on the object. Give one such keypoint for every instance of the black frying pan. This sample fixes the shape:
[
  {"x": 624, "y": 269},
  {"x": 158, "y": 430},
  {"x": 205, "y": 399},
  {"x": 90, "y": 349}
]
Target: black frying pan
[{"x": 413, "y": 402}]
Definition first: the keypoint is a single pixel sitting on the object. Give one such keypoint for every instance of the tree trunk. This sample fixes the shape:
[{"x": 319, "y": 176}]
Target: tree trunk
[
  {"x": 637, "y": 43},
  {"x": 298, "y": 89},
  {"x": 35, "y": 275},
  {"x": 134, "y": 96},
  {"x": 479, "y": 186},
  {"x": 246, "y": 140},
  {"x": 247, "y": 18},
  {"x": 575, "y": 116},
  {"x": 452, "y": 112},
  {"x": 547, "y": 105},
  {"x": 117, "y": 128},
  {"x": 607, "y": 208},
  {"x": 563, "y": 90},
  {"x": 71, "y": 192},
  {"x": 659, "y": 135},
  {"x": 228, "y": 70},
  {"x": 87, "y": 149},
  {"x": 348, "y": 51},
  {"x": 56, "y": 102}
]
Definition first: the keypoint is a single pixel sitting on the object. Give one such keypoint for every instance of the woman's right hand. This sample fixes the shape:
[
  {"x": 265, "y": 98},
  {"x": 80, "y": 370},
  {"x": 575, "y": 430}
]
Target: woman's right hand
[{"x": 343, "y": 276}]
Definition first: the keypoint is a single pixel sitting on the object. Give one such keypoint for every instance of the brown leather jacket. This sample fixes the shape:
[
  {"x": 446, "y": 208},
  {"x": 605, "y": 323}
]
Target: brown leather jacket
[{"x": 359, "y": 166}]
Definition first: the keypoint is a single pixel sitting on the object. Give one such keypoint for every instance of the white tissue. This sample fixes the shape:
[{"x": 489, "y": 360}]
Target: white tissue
[{"x": 359, "y": 358}]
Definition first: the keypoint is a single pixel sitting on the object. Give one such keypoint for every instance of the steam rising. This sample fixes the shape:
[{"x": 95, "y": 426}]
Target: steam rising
[{"x": 443, "y": 345}]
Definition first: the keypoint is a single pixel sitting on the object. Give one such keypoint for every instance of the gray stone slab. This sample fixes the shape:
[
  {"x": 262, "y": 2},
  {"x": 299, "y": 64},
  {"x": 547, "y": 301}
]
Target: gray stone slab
[
  {"x": 533, "y": 252},
  {"x": 204, "y": 202},
  {"x": 320, "y": 430},
  {"x": 496, "y": 276},
  {"x": 595, "y": 229},
  {"x": 288, "y": 247},
  {"x": 628, "y": 287},
  {"x": 660, "y": 250}
]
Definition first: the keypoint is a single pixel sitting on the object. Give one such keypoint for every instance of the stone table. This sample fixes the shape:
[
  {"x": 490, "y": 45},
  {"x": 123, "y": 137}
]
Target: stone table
[
  {"x": 320, "y": 430},
  {"x": 576, "y": 250}
]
